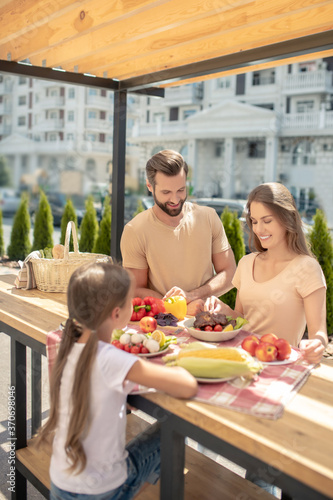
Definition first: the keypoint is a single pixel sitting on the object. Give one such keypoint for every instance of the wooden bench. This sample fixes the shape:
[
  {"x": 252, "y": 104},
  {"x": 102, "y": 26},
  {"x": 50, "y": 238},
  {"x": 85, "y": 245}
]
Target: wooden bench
[{"x": 205, "y": 479}]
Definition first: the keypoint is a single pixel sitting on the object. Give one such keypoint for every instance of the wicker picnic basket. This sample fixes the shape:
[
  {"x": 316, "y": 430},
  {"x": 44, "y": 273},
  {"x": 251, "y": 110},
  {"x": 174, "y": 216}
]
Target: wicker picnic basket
[{"x": 52, "y": 275}]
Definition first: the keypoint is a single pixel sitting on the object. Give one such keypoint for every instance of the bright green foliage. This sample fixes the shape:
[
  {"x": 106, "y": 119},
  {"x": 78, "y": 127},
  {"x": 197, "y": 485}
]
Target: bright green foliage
[
  {"x": 140, "y": 208},
  {"x": 2, "y": 243},
  {"x": 322, "y": 247},
  {"x": 235, "y": 235},
  {"x": 43, "y": 228},
  {"x": 4, "y": 172},
  {"x": 20, "y": 246},
  {"x": 89, "y": 227},
  {"x": 103, "y": 242},
  {"x": 68, "y": 215}
]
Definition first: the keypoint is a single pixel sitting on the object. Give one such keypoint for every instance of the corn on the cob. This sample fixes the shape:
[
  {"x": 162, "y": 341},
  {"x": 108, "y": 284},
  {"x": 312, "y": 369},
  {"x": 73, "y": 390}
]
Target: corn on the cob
[{"x": 222, "y": 362}]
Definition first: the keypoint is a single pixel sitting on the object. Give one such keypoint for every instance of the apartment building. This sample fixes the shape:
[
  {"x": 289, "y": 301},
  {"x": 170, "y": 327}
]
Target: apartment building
[
  {"x": 235, "y": 132},
  {"x": 242, "y": 130},
  {"x": 57, "y": 135}
]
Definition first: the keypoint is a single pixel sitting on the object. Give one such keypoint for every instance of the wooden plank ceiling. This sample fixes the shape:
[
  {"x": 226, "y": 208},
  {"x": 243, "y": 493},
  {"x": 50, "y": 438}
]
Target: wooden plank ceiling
[{"x": 163, "y": 42}]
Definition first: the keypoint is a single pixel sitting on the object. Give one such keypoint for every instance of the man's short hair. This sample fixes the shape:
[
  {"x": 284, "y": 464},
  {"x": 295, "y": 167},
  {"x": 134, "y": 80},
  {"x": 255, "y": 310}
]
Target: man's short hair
[{"x": 168, "y": 162}]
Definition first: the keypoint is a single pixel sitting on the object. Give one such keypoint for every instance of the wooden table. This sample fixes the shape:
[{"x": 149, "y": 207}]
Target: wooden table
[{"x": 295, "y": 451}]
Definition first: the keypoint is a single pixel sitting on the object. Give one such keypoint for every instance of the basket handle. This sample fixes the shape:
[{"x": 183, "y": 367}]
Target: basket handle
[{"x": 70, "y": 229}]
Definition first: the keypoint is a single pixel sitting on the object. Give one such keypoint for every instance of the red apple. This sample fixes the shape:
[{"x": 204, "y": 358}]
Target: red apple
[
  {"x": 250, "y": 343},
  {"x": 148, "y": 324},
  {"x": 266, "y": 352},
  {"x": 284, "y": 349},
  {"x": 269, "y": 337}
]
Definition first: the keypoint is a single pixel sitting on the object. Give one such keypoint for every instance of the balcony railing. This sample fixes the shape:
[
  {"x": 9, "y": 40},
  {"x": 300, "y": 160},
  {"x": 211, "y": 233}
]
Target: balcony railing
[
  {"x": 159, "y": 128},
  {"x": 309, "y": 80},
  {"x": 301, "y": 120}
]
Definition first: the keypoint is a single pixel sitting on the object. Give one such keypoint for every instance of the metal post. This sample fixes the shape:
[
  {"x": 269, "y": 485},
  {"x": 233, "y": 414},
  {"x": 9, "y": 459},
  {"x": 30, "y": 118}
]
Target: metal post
[
  {"x": 36, "y": 391},
  {"x": 118, "y": 171}
]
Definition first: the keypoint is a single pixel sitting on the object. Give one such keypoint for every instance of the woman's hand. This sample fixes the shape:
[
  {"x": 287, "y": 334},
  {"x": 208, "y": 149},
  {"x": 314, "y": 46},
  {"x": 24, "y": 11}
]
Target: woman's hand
[
  {"x": 312, "y": 350},
  {"x": 213, "y": 305}
]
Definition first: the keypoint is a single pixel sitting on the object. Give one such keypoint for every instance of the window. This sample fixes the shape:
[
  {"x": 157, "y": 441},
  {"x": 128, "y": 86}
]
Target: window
[
  {"x": 53, "y": 115},
  {"x": 173, "y": 116},
  {"x": 22, "y": 100},
  {"x": 224, "y": 83},
  {"x": 219, "y": 149},
  {"x": 92, "y": 115},
  {"x": 265, "y": 77},
  {"x": 92, "y": 91},
  {"x": 91, "y": 137},
  {"x": 22, "y": 80},
  {"x": 158, "y": 117},
  {"x": 21, "y": 121},
  {"x": 188, "y": 112},
  {"x": 304, "y": 106},
  {"x": 304, "y": 154},
  {"x": 256, "y": 149},
  {"x": 70, "y": 116},
  {"x": 53, "y": 92},
  {"x": 70, "y": 137},
  {"x": 71, "y": 93},
  {"x": 53, "y": 137}
]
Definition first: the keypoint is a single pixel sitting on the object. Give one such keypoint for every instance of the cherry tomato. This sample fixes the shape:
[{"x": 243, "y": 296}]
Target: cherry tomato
[
  {"x": 208, "y": 328},
  {"x": 115, "y": 342},
  {"x": 120, "y": 346},
  {"x": 127, "y": 347},
  {"x": 144, "y": 350},
  {"x": 218, "y": 328},
  {"x": 135, "y": 349}
]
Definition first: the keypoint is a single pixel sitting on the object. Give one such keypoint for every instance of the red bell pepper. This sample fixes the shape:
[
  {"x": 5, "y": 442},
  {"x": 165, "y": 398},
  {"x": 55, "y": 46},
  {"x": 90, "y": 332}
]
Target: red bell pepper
[
  {"x": 139, "y": 309},
  {"x": 151, "y": 306}
]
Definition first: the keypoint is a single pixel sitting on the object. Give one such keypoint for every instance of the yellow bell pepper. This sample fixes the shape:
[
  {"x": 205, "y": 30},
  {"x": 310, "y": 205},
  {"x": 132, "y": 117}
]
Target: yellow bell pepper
[{"x": 176, "y": 305}]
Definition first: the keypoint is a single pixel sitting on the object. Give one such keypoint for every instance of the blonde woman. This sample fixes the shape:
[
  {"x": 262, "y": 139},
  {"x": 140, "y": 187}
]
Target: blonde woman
[
  {"x": 280, "y": 287},
  {"x": 89, "y": 387}
]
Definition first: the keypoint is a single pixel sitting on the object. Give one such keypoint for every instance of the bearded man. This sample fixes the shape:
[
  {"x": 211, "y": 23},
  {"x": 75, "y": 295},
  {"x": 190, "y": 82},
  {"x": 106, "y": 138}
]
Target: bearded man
[{"x": 176, "y": 247}]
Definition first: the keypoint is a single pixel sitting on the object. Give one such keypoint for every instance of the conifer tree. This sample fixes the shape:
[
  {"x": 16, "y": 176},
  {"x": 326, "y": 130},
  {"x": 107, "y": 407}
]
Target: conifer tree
[
  {"x": 4, "y": 172},
  {"x": 2, "y": 242},
  {"x": 322, "y": 247},
  {"x": 140, "y": 208},
  {"x": 68, "y": 215},
  {"x": 43, "y": 227},
  {"x": 20, "y": 246},
  {"x": 234, "y": 231},
  {"x": 89, "y": 227},
  {"x": 103, "y": 242}
]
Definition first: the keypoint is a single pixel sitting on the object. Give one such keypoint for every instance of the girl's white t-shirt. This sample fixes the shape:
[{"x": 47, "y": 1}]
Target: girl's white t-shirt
[{"x": 105, "y": 442}]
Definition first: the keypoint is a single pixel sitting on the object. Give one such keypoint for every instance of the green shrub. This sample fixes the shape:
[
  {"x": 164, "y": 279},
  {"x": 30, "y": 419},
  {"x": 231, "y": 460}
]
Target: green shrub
[
  {"x": 322, "y": 247},
  {"x": 20, "y": 246},
  {"x": 43, "y": 227},
  {"x": 5, "y": 179},
  {"x": 140, "y": 208},
  {"x": 234, "y": 231},
  {"x": 103, "y": 241},
  {"x": 89, "y": 227},
  {"x": 68, "y": 215},
  {"x": 2, "y": 242}
]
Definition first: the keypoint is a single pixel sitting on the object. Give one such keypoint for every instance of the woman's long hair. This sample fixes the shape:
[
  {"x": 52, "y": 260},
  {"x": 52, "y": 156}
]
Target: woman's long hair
[
  {"x": 282, "y": 204},
  {"x": 94, "y": 290}
]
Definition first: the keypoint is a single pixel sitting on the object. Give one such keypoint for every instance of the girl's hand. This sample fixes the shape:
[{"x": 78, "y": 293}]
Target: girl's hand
[
  {"x": 312, "y": 350},
  {"x": 213, "y": 305}
]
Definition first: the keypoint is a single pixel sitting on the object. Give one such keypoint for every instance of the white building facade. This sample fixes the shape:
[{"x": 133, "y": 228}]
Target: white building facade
[
  {"x": 235, "y": 133},
  {"x": 56, "y": 135},
  {"x": 239, "y": 131}
]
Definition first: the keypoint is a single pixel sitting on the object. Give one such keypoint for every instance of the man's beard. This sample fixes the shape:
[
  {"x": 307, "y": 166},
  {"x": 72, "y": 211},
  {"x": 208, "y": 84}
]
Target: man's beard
[{"x": 172, "y": 212}]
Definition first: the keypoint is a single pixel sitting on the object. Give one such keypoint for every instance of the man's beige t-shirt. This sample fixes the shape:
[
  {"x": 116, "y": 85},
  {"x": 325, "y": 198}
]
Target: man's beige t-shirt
[
  {"x": 276, "y": 306},
  {"x": 175, "y": 256}
]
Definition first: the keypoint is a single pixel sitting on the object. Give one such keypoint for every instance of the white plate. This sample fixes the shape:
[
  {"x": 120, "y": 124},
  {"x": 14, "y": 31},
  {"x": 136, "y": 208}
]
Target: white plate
[
  {"x": 209, "y": 336},
  {"x": 294, "y": 356},
  {"x": 213, "y": 380},
  {"x": 153, "y": 354}
]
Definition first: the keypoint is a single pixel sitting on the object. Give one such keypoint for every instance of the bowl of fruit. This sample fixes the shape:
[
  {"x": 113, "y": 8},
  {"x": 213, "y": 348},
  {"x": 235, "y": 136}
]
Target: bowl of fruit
[{"x": 214, "y": 327}]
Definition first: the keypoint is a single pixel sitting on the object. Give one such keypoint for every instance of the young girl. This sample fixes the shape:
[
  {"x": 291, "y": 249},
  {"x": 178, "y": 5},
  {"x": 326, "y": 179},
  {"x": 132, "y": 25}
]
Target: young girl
[
  {"x": 281, "y": 287},
  {"x": 90, "y": 382}
]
